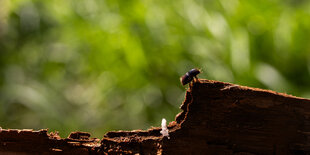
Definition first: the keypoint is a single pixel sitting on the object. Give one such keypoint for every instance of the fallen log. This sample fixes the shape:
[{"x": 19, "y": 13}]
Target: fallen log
[{"x": 216, "y": 118}]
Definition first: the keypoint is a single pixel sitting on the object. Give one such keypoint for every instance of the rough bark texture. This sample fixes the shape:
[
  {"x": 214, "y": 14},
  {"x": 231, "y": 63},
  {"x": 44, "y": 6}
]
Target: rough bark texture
[{"x": 216, "y": 118}]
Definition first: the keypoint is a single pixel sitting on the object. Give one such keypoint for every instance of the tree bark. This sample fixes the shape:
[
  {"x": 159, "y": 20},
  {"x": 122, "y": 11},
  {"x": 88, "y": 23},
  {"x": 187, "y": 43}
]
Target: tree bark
[{"x": 216, "y": 118}]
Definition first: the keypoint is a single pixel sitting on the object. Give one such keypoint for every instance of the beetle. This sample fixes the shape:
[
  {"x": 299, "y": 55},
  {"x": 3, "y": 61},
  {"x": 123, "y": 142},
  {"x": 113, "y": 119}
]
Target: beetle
[{"x": 189, "y": 76}]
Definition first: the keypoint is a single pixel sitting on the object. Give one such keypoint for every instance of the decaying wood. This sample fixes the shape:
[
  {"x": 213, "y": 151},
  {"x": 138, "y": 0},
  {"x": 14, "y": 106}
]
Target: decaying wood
[{"x": 216, "y": 118}]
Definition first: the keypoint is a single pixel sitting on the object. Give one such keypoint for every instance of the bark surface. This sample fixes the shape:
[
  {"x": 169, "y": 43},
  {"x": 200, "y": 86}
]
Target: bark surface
[{"x": 216, "y": 118}]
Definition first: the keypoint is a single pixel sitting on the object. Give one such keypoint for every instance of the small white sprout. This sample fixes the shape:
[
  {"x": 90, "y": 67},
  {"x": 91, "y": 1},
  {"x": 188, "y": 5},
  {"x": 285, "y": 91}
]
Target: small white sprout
[{"x": 164, "y": 130}]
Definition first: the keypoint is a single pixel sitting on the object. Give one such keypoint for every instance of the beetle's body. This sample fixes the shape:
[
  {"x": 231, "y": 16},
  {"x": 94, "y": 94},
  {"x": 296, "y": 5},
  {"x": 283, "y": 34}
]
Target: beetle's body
[{"x": 189, "y": 76}]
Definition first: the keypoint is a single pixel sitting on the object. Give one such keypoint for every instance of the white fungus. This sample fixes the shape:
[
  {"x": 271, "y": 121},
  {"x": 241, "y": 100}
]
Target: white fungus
[{"x": 164, "y": 130}]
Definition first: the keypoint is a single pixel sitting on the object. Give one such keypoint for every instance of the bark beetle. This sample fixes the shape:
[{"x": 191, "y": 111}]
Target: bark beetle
[{"x": 216, "y": 118}]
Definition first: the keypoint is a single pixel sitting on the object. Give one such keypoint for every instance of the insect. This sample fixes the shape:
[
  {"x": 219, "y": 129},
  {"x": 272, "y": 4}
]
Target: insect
[{"x": 189, "y": 76}]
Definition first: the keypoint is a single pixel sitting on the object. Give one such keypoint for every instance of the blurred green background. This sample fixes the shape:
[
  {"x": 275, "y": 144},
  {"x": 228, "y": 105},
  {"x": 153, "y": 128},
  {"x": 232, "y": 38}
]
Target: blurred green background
[{"x": 101, "y": 65}]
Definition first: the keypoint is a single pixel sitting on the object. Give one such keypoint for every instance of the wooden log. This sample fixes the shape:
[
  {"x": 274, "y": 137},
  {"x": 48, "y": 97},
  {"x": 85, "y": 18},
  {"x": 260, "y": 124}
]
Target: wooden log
[
  {"x": 27, "y": 141},
  {"x": 216, "y": 118},
  {"x": 223, "y": 118}
]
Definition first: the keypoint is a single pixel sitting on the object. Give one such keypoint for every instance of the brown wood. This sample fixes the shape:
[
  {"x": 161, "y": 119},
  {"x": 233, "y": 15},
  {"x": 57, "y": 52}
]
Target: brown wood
[{"x": 216, "y": 118}]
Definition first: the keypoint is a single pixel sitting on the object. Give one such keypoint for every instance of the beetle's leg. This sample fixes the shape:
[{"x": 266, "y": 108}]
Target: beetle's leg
[
  {"x": 191, "y": 85},
  {"x": 196, "y": 79}
]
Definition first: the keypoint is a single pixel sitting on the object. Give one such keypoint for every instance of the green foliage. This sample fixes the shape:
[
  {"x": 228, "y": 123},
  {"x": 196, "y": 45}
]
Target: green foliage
[{"x": 109, "y": 65}]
